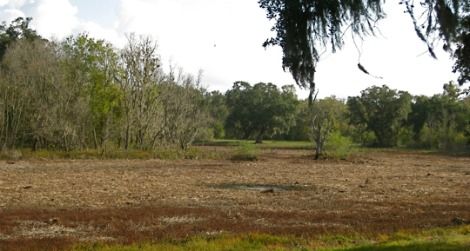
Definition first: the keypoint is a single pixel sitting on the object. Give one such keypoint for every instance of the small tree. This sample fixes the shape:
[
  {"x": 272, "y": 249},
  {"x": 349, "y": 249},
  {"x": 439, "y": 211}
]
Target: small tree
[{"x": 325, "y": 117}]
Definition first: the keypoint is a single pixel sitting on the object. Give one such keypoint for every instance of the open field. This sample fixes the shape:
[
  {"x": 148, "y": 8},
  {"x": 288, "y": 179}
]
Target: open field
[{"x": 54, "y": 203}]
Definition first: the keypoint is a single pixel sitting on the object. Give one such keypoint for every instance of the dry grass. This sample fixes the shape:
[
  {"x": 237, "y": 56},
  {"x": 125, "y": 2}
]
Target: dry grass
[{"x": 51, "y": 204}]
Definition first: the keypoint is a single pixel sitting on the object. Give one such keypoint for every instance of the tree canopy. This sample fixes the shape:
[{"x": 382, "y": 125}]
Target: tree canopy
[
  {"x": 260, "y": 110},
  {"x": 383, "y": 111},
  {"x": 304, "y": 27},
  {"x": 16, "y": 30}
]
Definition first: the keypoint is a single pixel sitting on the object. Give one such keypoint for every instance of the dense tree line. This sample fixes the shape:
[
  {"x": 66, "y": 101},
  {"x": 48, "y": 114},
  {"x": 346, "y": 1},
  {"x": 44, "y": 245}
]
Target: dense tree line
[
  {"x": 84, "y": 93},
  {"x": 379, "y": 117}
]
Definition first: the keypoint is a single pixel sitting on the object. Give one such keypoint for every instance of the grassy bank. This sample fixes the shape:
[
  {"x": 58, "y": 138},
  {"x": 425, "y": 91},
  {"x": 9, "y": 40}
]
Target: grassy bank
[
  {"x": 163, "y": 153},
  {"x": 445, "y": 239}
]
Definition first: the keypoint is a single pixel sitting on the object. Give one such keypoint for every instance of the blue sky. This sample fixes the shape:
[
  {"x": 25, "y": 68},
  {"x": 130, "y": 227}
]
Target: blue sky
[
  {"x": 223, "y": 39},
  {"x": 103, "y": 12}
]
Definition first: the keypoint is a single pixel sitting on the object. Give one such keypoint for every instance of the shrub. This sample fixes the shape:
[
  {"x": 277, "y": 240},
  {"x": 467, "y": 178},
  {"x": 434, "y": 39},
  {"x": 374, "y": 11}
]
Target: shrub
[
  {"x": 10, "y": 154},
  {"x": 245, "y": 152},
  {"x": 339, "y": 146}
]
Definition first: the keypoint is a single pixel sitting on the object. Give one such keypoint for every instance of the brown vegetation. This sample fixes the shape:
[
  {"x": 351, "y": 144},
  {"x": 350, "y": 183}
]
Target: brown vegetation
[{"x": 51, "y": 204}]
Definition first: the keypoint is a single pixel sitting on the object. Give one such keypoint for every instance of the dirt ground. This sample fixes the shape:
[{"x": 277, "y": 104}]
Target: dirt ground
[{"x": 54, "y": 203}]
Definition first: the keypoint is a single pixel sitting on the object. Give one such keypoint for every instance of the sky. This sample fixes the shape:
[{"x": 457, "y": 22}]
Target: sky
[{"x": 223, "y": 38}]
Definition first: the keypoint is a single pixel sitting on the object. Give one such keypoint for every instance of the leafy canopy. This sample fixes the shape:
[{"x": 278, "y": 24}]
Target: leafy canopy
[
  {"x": 382, "y": 110},
  {"x": 18, "y": 29},
  {"x": 259, "y": 110}
]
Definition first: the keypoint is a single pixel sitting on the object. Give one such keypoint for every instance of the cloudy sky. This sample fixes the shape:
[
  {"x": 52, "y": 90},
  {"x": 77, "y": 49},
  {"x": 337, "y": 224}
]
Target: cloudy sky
[{"x": 223, "y": 38}]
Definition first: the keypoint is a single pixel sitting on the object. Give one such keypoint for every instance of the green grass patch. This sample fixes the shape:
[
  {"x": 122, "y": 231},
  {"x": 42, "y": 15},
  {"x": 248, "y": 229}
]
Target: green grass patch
[
  {"x": 442, "y": 239},
  {"x": 232, "y": 243},
  {"x": 339, "y": 147},
  {"x": 245, "y": 152},
  {"x": 161, "y": 153}
]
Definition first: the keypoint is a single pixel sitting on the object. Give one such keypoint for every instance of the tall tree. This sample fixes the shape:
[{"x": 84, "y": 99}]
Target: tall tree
[
  {"x": 218, "y": 111},
  {"x": 141, "y": 65},
  {"x": 439, "y": 121},
  {"x": 16, "y": 30},
  {"x": 382, "y": 110},
  {"x": 260, "y": 110},
  {"x": 93, "y": 66}
]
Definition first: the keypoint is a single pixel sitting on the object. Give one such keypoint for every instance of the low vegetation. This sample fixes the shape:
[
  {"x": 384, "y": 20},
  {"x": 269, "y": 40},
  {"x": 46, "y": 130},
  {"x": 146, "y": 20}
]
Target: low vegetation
[
  {"x": 449, "y": 239},
  {"x": 245, "y": 152}
]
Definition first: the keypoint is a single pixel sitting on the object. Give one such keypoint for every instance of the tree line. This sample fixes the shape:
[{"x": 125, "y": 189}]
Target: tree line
[
  {"x": 379, "y": 117},
  {"x": 82, "y": 93}
]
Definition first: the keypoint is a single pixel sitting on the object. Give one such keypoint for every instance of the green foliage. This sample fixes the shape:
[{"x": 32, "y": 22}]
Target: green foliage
[
  {"x": 442, "y": 239},
  {"x": 326, "y": 116},
  {"x": 339, "y": 146},
  {"x": 168, "y": 153},
  {"x": 218, "y": 111},
  {"x": 245, "y": 152},
  {"x": 441, "y": 121},
  {"x": 462, "y": 51},
  {"x": 17, "y": 30},
  {"x": 83, "y": 93},
  {"x": 260, "y": 110},
  {"x": 382, "y": 111},
  {"x": 234, "y": 243}
]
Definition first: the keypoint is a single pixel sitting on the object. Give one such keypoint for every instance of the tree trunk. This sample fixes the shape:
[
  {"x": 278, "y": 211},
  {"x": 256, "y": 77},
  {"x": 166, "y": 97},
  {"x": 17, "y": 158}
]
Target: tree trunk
[
  {"x": 318, "y": 150},
  {"x": 259, "y": 138},
  {"x": 126, "y": 143},
  {"x": 95, "y": 139}
]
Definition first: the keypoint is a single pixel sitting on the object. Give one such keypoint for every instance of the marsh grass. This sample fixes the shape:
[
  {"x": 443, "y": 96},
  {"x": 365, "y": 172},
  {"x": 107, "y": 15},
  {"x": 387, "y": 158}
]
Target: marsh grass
[
  {"x": 441, "y": 239},
  {"x": 245, "y": 152},
  {"x": 93, "y": 154}
]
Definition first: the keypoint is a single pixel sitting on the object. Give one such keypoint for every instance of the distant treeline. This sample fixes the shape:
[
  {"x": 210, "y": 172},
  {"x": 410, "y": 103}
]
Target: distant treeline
[
  {"x": 380, "y": 116},
  {"x": 82, "y": 93}
]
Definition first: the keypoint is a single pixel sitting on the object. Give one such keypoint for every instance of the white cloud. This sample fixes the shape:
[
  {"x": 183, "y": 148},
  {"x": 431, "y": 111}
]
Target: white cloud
[
  {"x": 9, "y": 15},
  {"x": 99, "y": 32},
  {"x": 11, "y": 9},
  {"x": 55, "y": 18},
  {"x": 223, "y": 38},
  {"x": 14, "y": 3}
]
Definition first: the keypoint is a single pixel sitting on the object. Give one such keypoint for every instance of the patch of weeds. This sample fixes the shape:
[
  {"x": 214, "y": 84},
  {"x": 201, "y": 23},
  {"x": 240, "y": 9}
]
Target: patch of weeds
[
  {"x": 339, "y": 146},
  {"x": 454, "y": 239},
  {"x": 11, "y": 155},
  {"x": 245, "y": 152},
  {"x": 235, "y": 243},
  {"x": 170, "y": 153}
]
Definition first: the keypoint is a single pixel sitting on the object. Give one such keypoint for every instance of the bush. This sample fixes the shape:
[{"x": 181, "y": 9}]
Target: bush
[
  {"x": 245, "y": 152},
  {"x": 339, "y": 146},
  {"x": 10, "y": 155}
]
